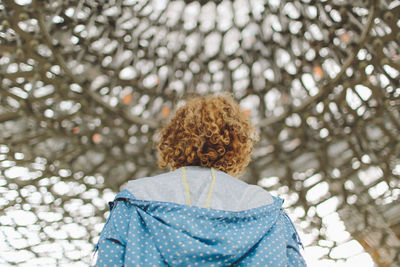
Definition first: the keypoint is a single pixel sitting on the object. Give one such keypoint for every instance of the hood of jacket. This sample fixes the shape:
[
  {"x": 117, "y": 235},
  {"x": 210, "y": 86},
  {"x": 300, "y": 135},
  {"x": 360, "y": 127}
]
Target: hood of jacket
[{"x": 229, "y": 193}]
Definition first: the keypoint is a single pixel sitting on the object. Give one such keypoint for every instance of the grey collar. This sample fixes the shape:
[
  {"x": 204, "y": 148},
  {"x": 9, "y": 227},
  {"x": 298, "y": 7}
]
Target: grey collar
[{"x": 229, "y": 193}]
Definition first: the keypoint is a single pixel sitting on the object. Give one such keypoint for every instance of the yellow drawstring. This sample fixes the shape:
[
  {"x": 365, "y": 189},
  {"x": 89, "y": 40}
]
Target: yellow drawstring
[
  {"x": 186, "y": 187},
  {"x": 211, "y": 189},
  {"x": 187, "y": 191}
]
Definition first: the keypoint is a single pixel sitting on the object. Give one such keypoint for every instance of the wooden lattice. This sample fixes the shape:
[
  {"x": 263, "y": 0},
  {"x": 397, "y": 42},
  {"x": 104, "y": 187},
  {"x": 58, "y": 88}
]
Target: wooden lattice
[{"x": 86, "y": 84}]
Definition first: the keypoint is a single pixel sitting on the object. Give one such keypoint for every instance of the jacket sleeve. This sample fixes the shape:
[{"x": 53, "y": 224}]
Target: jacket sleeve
[
  {"x": 112, "y": 241},
  {"x": 293, "y": 244}
]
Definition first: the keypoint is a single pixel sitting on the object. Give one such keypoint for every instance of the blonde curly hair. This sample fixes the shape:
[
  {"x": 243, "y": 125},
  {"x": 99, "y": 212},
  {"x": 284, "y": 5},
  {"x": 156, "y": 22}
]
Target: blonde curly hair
[{"x": 208, "y": 131}]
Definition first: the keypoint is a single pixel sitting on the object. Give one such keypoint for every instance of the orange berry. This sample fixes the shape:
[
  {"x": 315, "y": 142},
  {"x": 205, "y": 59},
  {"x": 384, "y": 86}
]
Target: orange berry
[
  {"x": 165, "y": 111},
  {"x": 96, "y": 138},
  {"x": 127, "y": 98},
  {"x": 346, "y": 37},
  {"x": 318, "y": 71}
]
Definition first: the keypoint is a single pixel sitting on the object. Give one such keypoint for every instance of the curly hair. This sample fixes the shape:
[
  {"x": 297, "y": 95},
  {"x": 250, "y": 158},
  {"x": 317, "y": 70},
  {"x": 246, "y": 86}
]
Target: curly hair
[{"x": 208, "y": 131}]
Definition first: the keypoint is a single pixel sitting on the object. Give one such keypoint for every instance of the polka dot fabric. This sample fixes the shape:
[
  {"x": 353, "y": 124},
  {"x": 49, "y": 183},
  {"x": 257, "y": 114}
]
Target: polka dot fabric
[{"x": 154, "y": 233}]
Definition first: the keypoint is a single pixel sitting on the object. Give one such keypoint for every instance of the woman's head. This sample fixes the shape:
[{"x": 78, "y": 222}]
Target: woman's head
[{"x": 208, "y": 131}]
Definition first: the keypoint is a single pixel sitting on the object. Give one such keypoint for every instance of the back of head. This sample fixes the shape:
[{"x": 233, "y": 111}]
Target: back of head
[{"x": 208, "y": 131}]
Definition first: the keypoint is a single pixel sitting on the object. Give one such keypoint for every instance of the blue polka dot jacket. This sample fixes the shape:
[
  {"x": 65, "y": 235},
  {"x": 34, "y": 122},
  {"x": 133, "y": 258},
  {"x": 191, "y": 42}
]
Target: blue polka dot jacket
[{"x": 197, "y": 216}]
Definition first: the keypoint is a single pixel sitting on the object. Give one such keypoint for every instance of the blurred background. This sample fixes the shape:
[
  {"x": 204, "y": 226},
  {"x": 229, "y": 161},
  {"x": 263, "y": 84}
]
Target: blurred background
[{"x": 85, "y": 85}]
